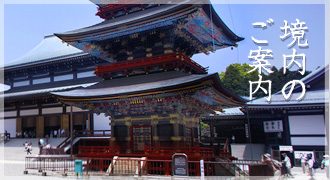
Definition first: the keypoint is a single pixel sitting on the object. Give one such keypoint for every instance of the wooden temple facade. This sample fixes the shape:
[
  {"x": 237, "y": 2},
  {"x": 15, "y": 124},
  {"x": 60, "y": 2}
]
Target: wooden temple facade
[
  {"x": 30, "y": 110},
  {"x": 300, "y": 125}
]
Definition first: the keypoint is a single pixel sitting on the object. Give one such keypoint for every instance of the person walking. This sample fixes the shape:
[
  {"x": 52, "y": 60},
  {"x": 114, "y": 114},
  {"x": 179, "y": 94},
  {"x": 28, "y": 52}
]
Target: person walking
[
  {"x": 287, "y": 164},
  {"x": 325, "y": 165},
  {"x": 28, "y": 147},
  {"x": 272, "y": 164}
]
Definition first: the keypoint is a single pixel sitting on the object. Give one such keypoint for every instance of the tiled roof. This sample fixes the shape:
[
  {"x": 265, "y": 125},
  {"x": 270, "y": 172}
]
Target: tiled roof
[
  {"x": 133, "y": 84},
  {"x": 157, "y": 82},
  {"x": 49, "y": 49},
  {"x": 313, "y": 96},
  {"x": 230, "y": 111},
  {"x": 42, "y": 91}
]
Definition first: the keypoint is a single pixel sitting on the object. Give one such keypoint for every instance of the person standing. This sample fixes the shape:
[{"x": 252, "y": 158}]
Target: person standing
[
  {"x": 287, "y": 164},
  {"x": 55, "y": 133},
  {"x": 303, "y": 161},
  {"x": 325, "y": 165},
  {"x": 310, "y": 163},
  {"x": 59, "y": 132}
]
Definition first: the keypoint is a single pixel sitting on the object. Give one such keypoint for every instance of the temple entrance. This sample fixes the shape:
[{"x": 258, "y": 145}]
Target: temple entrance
[
  {"x": 141, "y": 136},
  {"x": 79, "y": 121},
  {"x": 28, "y": 128},
  {"x": 52, "y": 123}
]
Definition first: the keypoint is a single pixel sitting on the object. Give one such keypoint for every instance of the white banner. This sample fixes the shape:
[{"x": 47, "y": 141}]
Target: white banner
[
  {"x": 299, "y": 154},
  {"x": 286, "y": 148}
]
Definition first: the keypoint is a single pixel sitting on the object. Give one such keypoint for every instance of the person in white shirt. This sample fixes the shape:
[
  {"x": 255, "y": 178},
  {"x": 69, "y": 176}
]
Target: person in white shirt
[
  {"x": 303, "y": 161},
  {"x": 287, "y": 164},
  {"x": 55, "y": 133},
  {"x": 310, "y": 163}
]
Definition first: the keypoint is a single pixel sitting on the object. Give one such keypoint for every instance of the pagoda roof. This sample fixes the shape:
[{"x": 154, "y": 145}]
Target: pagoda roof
[
  {"x": 135, "y": 86},
  {"x": 132, "y": 19},
  {"x": 198, "y": 24},
  {"x": 315, "y": 94},
  {"x": 50, "y": 49}
]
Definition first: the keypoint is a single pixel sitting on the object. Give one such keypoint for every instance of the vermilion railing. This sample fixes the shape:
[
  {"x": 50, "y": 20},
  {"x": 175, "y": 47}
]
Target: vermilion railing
[
  {"x": 169, "y": 151},
  {"x": 152, "y": 152},
  {"x": 145, "y": 167},
  {"x": 98, "y": 150},
  {"x": 225, "y": 152}
]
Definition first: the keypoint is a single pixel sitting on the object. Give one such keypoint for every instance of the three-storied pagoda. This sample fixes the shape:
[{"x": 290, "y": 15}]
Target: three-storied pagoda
[{"x": 152, "y": 91}]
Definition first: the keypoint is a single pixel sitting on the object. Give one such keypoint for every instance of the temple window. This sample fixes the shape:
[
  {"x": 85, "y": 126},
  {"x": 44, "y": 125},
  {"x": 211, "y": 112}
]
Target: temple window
[
  {"x": 85, "y": 74},
  {"x": 42, "y": 80},
  {"x": 21, "y": 83},
  {"x": 63, "y": 77}
]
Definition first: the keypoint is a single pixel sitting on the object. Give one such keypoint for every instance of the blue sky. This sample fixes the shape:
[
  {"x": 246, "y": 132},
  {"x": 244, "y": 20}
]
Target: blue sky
[{"x": 25, "y": 25}]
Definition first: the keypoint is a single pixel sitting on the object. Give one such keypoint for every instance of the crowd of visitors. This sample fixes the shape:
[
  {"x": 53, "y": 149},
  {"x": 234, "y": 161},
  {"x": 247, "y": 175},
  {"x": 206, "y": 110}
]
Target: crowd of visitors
[
  {"x": 52, "y": 133},
  {"x": 308, "y": 163}
]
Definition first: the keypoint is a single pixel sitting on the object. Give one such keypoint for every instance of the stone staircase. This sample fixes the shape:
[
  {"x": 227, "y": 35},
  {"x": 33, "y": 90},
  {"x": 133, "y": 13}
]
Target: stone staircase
[{"x": 127, "y": 166}]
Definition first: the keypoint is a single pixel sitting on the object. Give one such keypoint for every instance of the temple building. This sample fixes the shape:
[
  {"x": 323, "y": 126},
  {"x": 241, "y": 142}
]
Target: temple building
[
  {"x": 145, "y": 86},
  {"x": 152, "y": 90},
  {"x": 29, "y": 108},
  {"x": 294, "y": 127}
]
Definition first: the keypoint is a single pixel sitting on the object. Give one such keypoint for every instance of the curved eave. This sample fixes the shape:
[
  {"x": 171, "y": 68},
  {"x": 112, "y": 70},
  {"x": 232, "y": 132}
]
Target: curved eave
[
  {"x": 47, "y": 61},
  {"x": 49, "y": 50},
  {"x": 220, "y": 24},
  {"x": 39, "y": 93},
  {"x": 193, "y": 82},
  {"x": 227, "y": 92},
  {"x": 123, "y": 21}
]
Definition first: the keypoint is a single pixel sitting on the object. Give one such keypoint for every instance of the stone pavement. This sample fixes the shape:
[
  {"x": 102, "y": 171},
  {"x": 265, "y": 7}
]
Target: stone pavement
[
  {"x": 12, "y": 166},
  {"x": 298, "y": 174}
]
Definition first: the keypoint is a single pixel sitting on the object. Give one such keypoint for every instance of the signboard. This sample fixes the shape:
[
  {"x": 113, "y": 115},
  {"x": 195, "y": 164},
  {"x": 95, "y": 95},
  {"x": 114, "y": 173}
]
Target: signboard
[
  {"x": 273, "y": 126},
  {"x": 286, "y": 148},
  {"x": 202, "y": 169},
  {"x": 246, "y": 131},
  {"x": 299, "y": 154},
  {"x": 180, "y": 164}
]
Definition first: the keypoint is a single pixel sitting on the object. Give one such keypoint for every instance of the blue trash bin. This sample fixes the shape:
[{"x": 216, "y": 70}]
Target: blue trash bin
[{"x": 78, "y": 167}]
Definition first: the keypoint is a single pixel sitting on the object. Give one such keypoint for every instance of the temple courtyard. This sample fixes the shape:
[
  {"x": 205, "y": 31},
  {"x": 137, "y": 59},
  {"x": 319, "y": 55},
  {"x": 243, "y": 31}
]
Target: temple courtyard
[{"x": 13, "y": 163}]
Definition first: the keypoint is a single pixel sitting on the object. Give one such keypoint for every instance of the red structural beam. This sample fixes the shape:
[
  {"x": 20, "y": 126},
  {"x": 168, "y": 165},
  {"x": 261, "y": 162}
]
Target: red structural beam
[
  {"x": 109, "y": 10},
  {"x": 177, "y": 59}
]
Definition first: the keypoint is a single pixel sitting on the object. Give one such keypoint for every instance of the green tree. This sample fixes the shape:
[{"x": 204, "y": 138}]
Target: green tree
[
  {"x": 236, "y": 79},
  {"x": 279, "y": 79}
]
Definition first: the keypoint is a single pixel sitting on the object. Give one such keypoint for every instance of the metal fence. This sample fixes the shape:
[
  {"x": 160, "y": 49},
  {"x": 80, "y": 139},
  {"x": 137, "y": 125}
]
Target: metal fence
[{"x": 135, "y": 166}]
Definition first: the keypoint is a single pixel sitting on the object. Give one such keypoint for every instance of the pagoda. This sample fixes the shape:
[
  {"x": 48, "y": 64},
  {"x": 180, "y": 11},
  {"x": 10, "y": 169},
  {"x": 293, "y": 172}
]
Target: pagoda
[{"x": 152, "y": 91}]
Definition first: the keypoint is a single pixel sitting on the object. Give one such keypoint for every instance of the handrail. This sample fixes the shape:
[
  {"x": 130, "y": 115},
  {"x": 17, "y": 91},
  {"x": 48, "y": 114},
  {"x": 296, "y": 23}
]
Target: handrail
[
  {"x": 64, "y": 143},
  {"x": 153, "y": 166},
  {"x": 84, "y": 133}
]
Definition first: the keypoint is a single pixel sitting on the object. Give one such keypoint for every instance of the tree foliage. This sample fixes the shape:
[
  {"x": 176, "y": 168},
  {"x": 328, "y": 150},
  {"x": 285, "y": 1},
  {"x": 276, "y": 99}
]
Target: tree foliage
[{"x": 236, "y": 79}]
